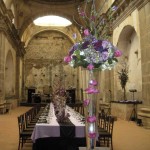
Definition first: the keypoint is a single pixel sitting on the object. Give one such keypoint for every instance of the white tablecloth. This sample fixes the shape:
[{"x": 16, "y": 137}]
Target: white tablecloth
[{"x": 52, "y": 129}]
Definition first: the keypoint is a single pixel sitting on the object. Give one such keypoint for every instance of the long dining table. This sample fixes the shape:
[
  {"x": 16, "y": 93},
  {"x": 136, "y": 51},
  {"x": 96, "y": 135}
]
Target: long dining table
[{"x": 49, "y": 134}]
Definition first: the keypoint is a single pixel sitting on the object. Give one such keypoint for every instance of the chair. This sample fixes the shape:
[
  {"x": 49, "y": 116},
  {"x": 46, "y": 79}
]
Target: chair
[
  {"x": 105, "y": 131},
  {"x": 24, "y": 135},
  {"x": 78, "y": 107},
  {"x": 2, "y": 108},
  {"x": 101, "y": 122},
  {"x": 29, "y": 124},
  {"x": 105, "y": 107},
  {"x": 8, "y": 106}
]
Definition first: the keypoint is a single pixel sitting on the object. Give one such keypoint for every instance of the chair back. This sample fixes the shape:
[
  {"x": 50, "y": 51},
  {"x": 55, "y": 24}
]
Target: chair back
[
  {"x": 77, "y": 107},
  {"x": 109, "y": 124},
  {"x": 21, "y": 123},
  {"x": 101, "y": 120}
]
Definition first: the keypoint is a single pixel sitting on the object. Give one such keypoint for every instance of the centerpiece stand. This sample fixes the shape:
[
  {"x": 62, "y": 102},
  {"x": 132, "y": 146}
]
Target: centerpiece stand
[{"x": 93, "y": 53}]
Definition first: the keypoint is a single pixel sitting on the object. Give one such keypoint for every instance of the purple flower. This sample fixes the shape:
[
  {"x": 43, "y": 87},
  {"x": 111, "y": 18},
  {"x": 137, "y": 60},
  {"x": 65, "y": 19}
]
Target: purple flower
[
  {"x": 85, "y": 45},
  {"x": 86, "y": 32},
  {"x": 105, "y": 55},
  {"x": 105, "y": 44},
  {"x": 114, "y": 8},
  {"x": 74, "y": 35},
  {"x": 117, "y": 53},
  {"x": 86, "y": 102},
  {"x": 91, "y": 119},
  {"x": 73, "y": 48},
  {"x": 92, "y": 135},
  {"x": 67, "y": 59},
  {"x": 97, "y": 44},
  {"x": 100, "y": 49},
  {"x": 93, "y": 82}
]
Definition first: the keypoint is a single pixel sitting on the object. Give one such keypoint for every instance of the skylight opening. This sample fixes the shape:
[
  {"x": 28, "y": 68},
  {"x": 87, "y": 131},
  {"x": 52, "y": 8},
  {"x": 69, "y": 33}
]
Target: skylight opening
[{"x": 52, "y": 21}]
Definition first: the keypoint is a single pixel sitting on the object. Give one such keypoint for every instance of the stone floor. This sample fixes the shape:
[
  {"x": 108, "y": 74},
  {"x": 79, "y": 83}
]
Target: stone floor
[{"x": 126, "y": 136}]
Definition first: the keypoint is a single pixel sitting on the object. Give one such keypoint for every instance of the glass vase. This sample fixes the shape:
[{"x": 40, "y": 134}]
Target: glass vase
[{"x": 91, "y": 116}]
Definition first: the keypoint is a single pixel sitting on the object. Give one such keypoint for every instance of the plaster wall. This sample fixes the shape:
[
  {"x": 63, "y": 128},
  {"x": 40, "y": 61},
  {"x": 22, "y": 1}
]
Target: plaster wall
[{"x": 131, "y": 55}]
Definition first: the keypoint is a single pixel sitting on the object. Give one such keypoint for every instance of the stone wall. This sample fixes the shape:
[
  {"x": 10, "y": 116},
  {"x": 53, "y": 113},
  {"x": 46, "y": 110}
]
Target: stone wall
[
  {"x": 144, "y": 23},
  {"x": 7, "y": 69},
  {"x": 126, "y": 37},
  {"x": 44, "y": 61},
  {"x": 2, "y": 54}
]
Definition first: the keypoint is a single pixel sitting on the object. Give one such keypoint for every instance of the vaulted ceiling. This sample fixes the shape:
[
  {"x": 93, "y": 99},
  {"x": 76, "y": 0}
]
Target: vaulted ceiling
[
  {"x": 57, "y": 1},
  {"x": 25, "y": 11}
]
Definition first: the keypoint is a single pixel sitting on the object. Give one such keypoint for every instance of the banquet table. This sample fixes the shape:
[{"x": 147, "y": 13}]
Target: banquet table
[{"x": 48, "y": 134}]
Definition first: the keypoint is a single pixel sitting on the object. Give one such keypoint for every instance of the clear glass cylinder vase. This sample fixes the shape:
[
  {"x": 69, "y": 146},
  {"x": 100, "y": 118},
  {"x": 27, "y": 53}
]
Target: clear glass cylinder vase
[{"x": 91, "y": 116}]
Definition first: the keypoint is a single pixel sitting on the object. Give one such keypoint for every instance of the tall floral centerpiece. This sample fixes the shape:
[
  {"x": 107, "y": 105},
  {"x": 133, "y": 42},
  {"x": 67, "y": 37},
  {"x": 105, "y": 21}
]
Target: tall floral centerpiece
[{"x": 93, "y": 52}]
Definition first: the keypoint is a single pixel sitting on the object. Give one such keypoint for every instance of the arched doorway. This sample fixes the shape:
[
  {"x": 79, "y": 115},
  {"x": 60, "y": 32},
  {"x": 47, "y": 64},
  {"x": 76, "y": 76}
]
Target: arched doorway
[{"x": 128, "y": 42}]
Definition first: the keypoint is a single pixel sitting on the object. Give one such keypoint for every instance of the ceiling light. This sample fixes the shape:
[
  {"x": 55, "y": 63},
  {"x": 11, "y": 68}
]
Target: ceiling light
[{"x": 52, "y": 21}]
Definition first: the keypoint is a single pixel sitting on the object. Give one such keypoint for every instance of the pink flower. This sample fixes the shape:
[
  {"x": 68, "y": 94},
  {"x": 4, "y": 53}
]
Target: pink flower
[
  {"x": 67, "y": 59},
  {"x": 86, "y": 32},
  {"x": 118, "y": 53},
  {"x": 90, "y": 67},
  {"x": 91, "y": 90},
  {"x": 86, "y": 102},
  {"x": 91, "y": 119},
  {"x": 92, "y": 135},
  {"x": 93, "y": 82},
  {"x": 93, "y": 18},
  {"x": 82, "y": 13}
]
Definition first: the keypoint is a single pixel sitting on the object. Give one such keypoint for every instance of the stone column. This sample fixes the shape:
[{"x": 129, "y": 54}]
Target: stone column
[
  {"x": 144, "y": 22},
  {"x": 2, "y": 56},
  {"x": 17, "y": 77}
]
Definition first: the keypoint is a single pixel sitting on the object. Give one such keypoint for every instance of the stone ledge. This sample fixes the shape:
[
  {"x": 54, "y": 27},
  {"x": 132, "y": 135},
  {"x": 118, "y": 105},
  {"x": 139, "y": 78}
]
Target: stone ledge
[
  {"x": 146, "y": 110},
  {"x": 144, "y": 115}
]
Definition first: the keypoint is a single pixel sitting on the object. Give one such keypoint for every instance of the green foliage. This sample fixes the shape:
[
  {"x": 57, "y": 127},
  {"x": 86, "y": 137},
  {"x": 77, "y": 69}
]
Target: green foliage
[{"x": 123, "y": 76}]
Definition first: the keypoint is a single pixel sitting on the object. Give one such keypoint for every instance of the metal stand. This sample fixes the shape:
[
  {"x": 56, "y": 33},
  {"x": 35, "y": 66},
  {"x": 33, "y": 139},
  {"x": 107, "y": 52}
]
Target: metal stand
[
  {"x": 133, "y": 91},
  {"x": 133, "y": 116}
]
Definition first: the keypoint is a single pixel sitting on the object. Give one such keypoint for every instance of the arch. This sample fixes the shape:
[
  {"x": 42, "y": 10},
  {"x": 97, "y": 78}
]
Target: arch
[
  {"x": 129, "y": 43},
  {"x": 9, "y": 76},
  {"x": 32, "y": 30},
  {"x": 43, "y": 30},
  {"x": 124, "y": 40},
  {"x": 29, "y": 21}
]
